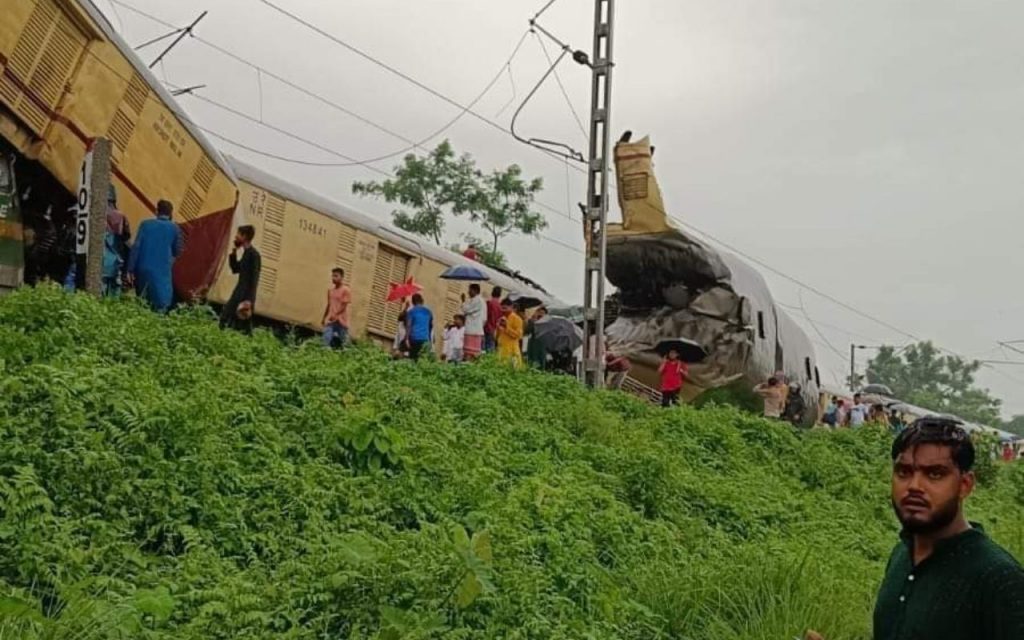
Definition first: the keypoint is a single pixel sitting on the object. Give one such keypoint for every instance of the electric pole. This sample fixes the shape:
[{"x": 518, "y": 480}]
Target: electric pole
[{"x": 596, "y": 214}]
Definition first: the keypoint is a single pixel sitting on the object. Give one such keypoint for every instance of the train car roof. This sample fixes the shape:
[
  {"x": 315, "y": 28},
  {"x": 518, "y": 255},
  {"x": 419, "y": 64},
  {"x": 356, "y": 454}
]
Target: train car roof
[
  {"x": 155, "y": 85},
  {"x": 344, "y": 213}
]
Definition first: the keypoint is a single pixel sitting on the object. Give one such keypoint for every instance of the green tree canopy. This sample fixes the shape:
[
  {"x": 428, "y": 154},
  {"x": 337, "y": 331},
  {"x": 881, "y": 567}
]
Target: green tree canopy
[
  {"x": 504, "y": 204},
  {"x": 921, "y": 375},
  {"x": 1015, "y": 425},
  {"x": 427, "y": 187},
  {"x": 431, "y": 187}
]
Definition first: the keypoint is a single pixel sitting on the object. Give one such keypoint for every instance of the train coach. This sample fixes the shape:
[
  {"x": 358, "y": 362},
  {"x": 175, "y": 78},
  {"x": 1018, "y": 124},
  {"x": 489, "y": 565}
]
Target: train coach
[
  {"x": 302, "y": 236},
  {"x": 66, "y": 78}
]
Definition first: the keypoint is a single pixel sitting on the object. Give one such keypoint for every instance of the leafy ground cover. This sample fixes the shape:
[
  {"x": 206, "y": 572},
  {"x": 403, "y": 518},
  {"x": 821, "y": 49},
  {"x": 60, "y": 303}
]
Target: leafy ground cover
[{"x": 160, "y": 478}]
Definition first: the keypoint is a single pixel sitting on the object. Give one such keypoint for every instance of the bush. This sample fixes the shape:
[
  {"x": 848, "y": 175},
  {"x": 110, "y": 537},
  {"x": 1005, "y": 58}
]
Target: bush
[{"x": 163, "y": 479}]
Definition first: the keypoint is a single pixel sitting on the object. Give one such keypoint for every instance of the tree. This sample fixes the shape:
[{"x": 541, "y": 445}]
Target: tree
[
  {"x": 503, "y": 204},
  {"x": 921, "y": 375},
  {"x": 429, "y": 187},
  {"x": 1015, "y": 425}
]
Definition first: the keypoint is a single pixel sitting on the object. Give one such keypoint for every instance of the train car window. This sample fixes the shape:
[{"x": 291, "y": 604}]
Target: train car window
[
  {"x": 807, "y": 367},
  {"x": 817, "y": 377},
  {"x": 760, "y": 325}
]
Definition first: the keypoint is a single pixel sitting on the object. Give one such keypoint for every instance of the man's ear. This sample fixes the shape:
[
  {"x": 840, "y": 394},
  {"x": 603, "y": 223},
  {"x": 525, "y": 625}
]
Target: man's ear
[{"x": 967, "y": 482}]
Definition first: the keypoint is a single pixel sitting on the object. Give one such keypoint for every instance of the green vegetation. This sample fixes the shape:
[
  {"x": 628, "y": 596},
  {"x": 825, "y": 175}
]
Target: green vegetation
[
  {"x": 160, "y": 478},
  {"x": 439, "y": 184},
  {"x": 920, "y": 374}
]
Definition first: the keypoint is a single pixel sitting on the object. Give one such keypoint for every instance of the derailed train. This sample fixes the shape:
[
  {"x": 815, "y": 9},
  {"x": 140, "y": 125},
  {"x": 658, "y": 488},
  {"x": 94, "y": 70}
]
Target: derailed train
[
  {"x": 67, "y": 77},
  {"x": 672, "y": 285}
]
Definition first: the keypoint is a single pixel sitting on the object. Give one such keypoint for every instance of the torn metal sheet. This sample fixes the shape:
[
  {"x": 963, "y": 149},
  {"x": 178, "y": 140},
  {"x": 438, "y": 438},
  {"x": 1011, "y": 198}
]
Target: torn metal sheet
[{"x": 674, "y": 285}]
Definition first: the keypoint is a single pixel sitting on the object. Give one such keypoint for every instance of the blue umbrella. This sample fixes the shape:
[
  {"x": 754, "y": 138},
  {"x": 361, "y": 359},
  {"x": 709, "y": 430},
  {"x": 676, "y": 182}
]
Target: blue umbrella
[{"x": 465, "y": 272}]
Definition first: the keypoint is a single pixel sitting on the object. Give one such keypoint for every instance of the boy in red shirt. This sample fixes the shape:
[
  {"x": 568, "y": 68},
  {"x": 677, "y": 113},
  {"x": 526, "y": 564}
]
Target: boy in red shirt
[{"x": 673, "y": 372}]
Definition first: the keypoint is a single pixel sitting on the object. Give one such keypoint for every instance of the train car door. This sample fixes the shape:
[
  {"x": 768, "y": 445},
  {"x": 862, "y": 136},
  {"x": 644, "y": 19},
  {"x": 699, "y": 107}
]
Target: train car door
[{"x": 12, "y": 237}]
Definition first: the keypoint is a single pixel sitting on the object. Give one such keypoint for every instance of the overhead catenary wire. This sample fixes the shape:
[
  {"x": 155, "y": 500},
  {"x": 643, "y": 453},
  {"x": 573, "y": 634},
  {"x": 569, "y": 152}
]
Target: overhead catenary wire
[
  {"x": 310, "y": 93},
  {"x": 561, "y": 87},
  {"x": 117, "y": 73},
  {"x": 393, "y": 70}
]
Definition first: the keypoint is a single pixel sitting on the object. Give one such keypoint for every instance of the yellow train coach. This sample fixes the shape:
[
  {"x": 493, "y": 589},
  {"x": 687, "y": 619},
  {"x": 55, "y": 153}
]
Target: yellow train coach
[
  {"x": 302, "y": 236},
  {"x": 66, "y": 77}
]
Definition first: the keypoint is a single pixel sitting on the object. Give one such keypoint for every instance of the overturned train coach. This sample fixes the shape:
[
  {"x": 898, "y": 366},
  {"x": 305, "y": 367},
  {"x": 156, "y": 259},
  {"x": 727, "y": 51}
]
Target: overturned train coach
[
  {"x": 672, "y": 285},
  {"x": 66, "y": 78}
]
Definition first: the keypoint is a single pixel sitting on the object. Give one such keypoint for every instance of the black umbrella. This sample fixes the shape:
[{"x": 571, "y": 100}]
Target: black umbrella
[
  {"x": 525, "y": 301},
  {"x": 557, "y": 334},
  {"x": 688, "y": 350}
]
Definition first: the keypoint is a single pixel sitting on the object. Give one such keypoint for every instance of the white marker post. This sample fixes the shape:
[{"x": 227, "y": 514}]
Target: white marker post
[{"x": 91, "y": 214}]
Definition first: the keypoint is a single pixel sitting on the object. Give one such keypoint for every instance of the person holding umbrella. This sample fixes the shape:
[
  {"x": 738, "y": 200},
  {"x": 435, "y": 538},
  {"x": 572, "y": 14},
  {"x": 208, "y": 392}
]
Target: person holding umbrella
[
  {"x": 475, "y": 312},
  {"x": 673, "y": 373}
]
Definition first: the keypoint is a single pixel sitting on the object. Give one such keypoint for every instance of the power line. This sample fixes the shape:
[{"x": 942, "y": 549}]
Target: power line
[
  {"x": 368, "y": 57},
  {"x": 324, "y": 100},
  {"x": 565, "y": 94},
  {"x": 412, "y": 144}
]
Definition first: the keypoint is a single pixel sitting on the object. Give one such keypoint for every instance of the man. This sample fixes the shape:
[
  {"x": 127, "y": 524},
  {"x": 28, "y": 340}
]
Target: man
[
  {"x": 831, "y": 415},
  {"x": 116, "y": 249},
  {"x": 795, "y": 405},
  {"x": 336, "y": 316},
  {"x": 509, "y": 335},
  {"x": 858, "y": 412},
  {"x": 774, "y": 394},
  {"x": 673, "y": 374},
  {"x": 494, "y": 315},
  {"x": 475, "y": 312},
  {"x": 241, "y": 306},
  {"x": 472, "y": 253},
  {"x": 152, "y": 257},
  {"x": 536, "y": 352},
  {"x": 419, "y": 324},
  {"x": 946, "y": 580}
]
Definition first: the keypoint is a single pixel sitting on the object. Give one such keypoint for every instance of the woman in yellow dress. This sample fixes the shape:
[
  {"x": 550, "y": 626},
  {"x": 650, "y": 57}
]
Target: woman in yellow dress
[{"x": 510, "y": 335}]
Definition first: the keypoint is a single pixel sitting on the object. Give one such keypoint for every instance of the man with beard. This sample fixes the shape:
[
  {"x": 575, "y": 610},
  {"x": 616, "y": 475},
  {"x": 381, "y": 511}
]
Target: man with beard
[{"x": 946, "y": 579}]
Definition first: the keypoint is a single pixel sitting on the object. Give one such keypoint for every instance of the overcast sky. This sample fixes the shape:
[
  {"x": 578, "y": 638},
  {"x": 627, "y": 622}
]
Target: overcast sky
[{"x": 871, "y": 149}]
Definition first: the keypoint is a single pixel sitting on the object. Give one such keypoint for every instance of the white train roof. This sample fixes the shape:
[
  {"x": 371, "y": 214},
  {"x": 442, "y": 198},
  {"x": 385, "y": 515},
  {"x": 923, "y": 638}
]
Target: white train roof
[
  {"x": 344, "y": 213},
  {"x": 155, "y": 85}
]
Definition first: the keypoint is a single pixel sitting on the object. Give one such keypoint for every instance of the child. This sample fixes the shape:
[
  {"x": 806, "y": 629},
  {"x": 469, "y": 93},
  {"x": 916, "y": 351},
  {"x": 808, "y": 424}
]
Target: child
[
  {"x": 673, "y": 373},
  {"x": 400, "y": 348},
  {"x": 454, "y": 339}
]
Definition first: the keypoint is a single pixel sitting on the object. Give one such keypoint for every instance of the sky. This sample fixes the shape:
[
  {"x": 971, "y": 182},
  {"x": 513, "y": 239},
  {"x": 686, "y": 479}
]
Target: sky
[{"x": 870, "y": 150}]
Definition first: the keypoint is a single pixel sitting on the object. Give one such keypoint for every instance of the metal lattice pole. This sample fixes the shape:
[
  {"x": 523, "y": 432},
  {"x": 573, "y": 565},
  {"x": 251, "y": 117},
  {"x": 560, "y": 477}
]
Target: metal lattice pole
[{"x": 596, "y": 214}]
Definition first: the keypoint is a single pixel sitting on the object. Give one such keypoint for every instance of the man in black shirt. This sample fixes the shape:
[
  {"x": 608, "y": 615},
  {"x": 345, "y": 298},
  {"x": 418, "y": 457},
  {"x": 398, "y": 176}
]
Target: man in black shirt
[{"x": 238, "y": 311}]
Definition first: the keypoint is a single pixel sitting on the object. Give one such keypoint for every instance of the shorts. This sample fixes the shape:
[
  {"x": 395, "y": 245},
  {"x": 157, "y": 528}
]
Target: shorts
[{"x": 472, "y": 345}]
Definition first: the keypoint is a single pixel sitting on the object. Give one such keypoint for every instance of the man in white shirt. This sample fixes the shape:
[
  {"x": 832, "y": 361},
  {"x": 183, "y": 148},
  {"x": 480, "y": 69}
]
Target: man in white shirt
[
  {"x": 474, "y": 311},
  {"x": 454, "y": 339},
  {"x": 858, "y": 412}
]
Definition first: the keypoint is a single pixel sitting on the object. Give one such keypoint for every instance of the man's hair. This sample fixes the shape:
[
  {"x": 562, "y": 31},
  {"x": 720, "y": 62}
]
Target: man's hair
[
  {"x": 164, "y": 208},
  {"x": 945, "y": 432},
  {"x": 417, "y": 298},
  {"x": 459, "y": 316},
  {"x": 248, "y": 231},
  {"x": 339, "y": 271},
  {"x": 772, "y": 381},
  {"x": 474, "y": 288},
  {"x": 496, "y": 292}
]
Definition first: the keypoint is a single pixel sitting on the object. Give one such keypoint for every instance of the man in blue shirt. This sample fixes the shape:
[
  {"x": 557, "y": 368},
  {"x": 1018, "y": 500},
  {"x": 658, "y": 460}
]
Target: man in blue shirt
[
  {"x": 419, "y": 324},
  {"x": 149, "y": 265}
]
